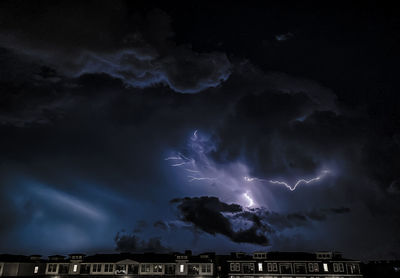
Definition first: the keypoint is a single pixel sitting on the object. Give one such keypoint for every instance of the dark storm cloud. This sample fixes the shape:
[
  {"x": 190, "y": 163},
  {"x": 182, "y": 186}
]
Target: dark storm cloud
[
  {"x": 132, "y": 243},
  {"x": 213, "y": 216},
  {"x": 207, "y": 214},
  {"x": 132, "y": 47},
  {"x": 30, "y": 93}
]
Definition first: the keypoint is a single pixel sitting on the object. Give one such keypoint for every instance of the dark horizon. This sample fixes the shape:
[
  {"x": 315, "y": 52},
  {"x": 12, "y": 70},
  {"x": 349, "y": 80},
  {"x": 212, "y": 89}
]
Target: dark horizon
[{"x": 132, "y": 125}]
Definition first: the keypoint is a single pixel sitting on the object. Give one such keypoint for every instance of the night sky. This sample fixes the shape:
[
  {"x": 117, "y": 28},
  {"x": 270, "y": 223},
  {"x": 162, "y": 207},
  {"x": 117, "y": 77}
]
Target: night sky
[{"x": 131, "y": 126}]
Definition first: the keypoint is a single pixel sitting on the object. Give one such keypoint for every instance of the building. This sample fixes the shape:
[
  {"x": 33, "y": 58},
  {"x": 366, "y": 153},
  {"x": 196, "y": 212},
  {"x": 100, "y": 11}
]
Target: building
[
  {"x": 291, "y": 264},
  {"x": 206, "y": 265}
]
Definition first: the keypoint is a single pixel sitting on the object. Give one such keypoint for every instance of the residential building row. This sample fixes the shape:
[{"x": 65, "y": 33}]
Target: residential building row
[{"x": 206, "y": 265}]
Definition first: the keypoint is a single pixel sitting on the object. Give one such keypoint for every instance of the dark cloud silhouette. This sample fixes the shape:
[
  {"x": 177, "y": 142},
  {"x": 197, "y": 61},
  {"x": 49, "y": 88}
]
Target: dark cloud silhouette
[
  {"x": 212, "y": 216},
  {"x": 132, "y": 243},
  {"x": 207, "y": 214}
]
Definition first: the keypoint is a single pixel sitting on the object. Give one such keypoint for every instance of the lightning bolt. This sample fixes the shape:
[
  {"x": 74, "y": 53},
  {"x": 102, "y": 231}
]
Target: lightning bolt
[
  {"x": 247, "y": 196},
  {"x": 192, "y": 178},
  {"x": 180, "y": 160},
  {"x": 291, "y": 188},
  {"x": 198, "y": 166},
  {"x": 189, "y": 164}
]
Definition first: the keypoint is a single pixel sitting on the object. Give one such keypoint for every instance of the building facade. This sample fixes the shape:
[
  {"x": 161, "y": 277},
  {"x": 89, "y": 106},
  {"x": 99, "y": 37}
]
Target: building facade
[
  {"x": 207, "y": 265},
  {"x": 292, "y": 264}
]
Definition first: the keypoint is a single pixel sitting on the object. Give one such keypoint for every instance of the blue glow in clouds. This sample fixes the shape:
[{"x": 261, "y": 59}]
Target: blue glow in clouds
[
  {"x": 225, "y": 180},
  {"x": 230, "y": 181}
]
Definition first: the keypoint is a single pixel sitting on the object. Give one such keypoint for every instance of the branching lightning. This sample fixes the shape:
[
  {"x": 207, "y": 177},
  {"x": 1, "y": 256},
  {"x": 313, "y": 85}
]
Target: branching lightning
[
  {"x": 291, "y": 188},
  {"x": 189, "y": 164},
  {"x": 231, "y": 181}
]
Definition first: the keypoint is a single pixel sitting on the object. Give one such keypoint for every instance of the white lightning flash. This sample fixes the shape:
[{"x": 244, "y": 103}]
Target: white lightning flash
[
  {"x": 247, "y": 196},
  {"x": 192, "y": 178},
  {"x": 291, "y": 188}
]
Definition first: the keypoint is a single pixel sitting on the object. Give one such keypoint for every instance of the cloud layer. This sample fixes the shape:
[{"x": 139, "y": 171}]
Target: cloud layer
[{"x": 140, "y": 53}]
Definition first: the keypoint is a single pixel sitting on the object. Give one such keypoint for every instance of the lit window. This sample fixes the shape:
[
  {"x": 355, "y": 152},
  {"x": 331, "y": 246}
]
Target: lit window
[
  {"x": 181, "y": 268},
  {"x": 36, "y": 270},
  {"x": 326, "y": 267},
  {"x": 260, "y": 267},
  {"x": 75, "y": 269}
]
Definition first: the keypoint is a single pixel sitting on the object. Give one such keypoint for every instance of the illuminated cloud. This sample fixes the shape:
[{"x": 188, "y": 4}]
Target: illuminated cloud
[
  {"x": 198, "y": 166},
  {"x": 141, "y": 57},
  {"x": 224, "y": 181}
]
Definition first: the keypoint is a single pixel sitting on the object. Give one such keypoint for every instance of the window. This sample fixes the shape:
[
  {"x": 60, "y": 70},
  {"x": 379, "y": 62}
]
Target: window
[
  {"x": 313, "y": 267},
  {"x": 52, "y": 268},
  {"x": 85, "y": 269},
  {"x": 132, "y": 269},
  {"x": 108, "y": 268},
  {"x": 36, "y": 270},
  {"x": 338, "y": 267},
  {"x": 259, "y": 255},
  {"x": 248, "y": 268},
  {"x": 181, "y": 268},
  {"x": 300, "y": 268},
  {"x": 341, "y": 267},
  {"x": 63, "y": 268},
  {"x": 157, "y": 268},
  {"x": 272, "y": 267},
  {"x": 285, "y": 268},
  {"x": 235, "y": 266},
  {"x": 353, "y": 269},
  {"x": 206, "y": 268},
  {"x": 326, "y": 267},
  {"x": 260, "y": 268},
  {"x": 145, "y": 268},
  {"x": 75, "y": 268},
  {"x": 193, "y": 269},
  {"x": 170, "y": 269},
  {"x": 96, "y": 268},
  {"x": 120, "y": 269}
]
